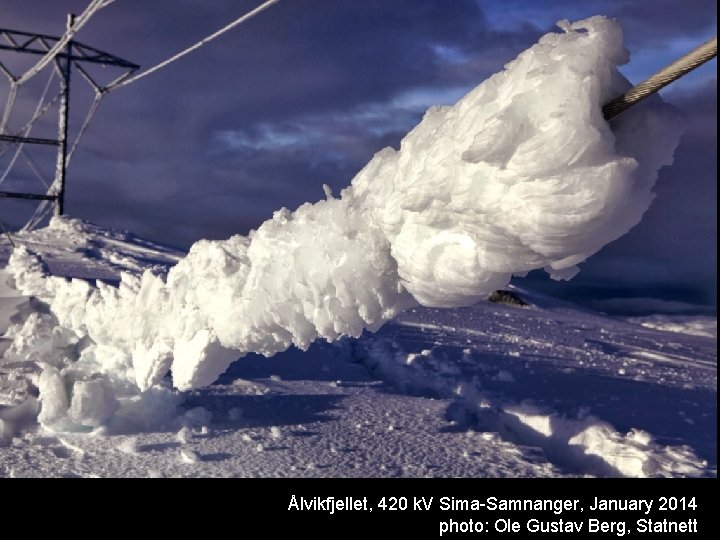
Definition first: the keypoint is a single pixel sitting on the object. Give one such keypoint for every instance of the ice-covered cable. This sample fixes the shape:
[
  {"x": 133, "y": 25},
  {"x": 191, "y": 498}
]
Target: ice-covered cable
[
  {"x": 224, "y": 29},
  {"x": 38, "y": 114},
  {"x": 34, "y": 168},
  {"x": 9, "y": 105},
  {"x": 40, "y": 213},
  {"x": 86, "y": 123},
  {"x": 74, "y": 28},
  {"x": 7, "y": 234},
  {"x": 695, "y": 58},
  {"x": 39, "y": 110},
  {"x": 522, "y": 173}
]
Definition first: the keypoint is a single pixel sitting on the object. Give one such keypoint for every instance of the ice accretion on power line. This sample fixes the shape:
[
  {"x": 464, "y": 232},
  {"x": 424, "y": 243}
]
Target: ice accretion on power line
[{"x": 522, "y": 173}]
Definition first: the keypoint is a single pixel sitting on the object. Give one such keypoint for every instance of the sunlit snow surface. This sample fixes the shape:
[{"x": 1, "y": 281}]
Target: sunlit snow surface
[{"x": 488, "y": 390}]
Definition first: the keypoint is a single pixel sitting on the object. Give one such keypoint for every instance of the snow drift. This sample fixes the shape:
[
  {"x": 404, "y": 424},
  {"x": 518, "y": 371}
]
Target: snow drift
[{"x": 521, "y": 173}]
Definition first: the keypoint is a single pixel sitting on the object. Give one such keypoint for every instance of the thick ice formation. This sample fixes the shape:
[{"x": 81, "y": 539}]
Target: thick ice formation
[{"x": 521, "y": 173}]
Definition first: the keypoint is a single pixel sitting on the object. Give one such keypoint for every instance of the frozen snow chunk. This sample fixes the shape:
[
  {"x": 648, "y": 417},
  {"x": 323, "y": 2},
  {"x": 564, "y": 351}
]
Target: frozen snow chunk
[
  {"x": 523, "y": 415},
  {"x": 93, "y": 402},
  {"x": 151, "y": 364},
  {"x": 54, "y": 400},
  {"x": 19, "y": 416},
  {"x": 129, "y": 446},
  {"x": 154, "y": 408},
  {"x": 29, "y": 272},
  {"x": 6, "y": 432},
  {"x": 596, "y": 446},
  {"x": 601, "y": 440},
  {"x": 184, "y": 435},
  {"x": 200, "y": 360},
  {"x": 189, "y": 456},
  {"x": 635, "y": 453},
  {"x": 38, "y": 338}
]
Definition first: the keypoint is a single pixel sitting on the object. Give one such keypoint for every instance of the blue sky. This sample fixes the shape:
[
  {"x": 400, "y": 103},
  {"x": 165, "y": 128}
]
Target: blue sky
[{"x": 306, "y": 93}]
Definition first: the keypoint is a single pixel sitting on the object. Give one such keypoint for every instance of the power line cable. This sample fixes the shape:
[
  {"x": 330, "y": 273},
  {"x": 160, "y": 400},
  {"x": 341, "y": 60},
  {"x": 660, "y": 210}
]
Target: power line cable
[{"x": 236, "y": 22}]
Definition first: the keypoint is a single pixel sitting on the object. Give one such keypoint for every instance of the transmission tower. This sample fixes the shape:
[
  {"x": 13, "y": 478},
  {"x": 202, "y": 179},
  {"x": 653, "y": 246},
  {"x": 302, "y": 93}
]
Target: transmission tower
[{"x": 73, "y": 54}]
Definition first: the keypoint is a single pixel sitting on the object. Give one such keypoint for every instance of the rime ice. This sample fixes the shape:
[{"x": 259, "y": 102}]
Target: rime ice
[{"x": 522, "y": 173}]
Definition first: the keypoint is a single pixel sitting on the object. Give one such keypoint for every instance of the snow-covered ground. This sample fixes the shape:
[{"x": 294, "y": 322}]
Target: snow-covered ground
[{"x": 490, "y": 390}]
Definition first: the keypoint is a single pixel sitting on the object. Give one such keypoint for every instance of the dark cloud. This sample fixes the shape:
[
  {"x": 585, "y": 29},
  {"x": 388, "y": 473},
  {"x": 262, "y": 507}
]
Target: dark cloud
[
  {"x": 310, "y": 70},
  {"x": 656, "y": 32},
  {"x": 663, "y": 21},
  {"x": 306, "y": 93},
  {"x": 646, "y": 24}
]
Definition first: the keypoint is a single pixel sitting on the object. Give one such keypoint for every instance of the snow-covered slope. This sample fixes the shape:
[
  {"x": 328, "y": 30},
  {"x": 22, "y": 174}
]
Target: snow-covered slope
[{"x": 488, "y": 390}]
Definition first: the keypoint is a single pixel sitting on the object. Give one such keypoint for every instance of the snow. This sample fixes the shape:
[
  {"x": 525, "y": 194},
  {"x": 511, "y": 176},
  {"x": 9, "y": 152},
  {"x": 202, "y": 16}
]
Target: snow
[
  {"x": 450, "y": 413},
  {"x": 54, "y": 400},
  {"x": 93, "y": 403},
  {"x": 592, "y": 444},
  {"x": 521, "y": 173},
  {"x": 184, "y": 435},
  {"x": 540, "y": 408},
  {"x": 189, "y": 456},
  {"x": 695, "y": 325},
  {"x": 129, "y": 446}
]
